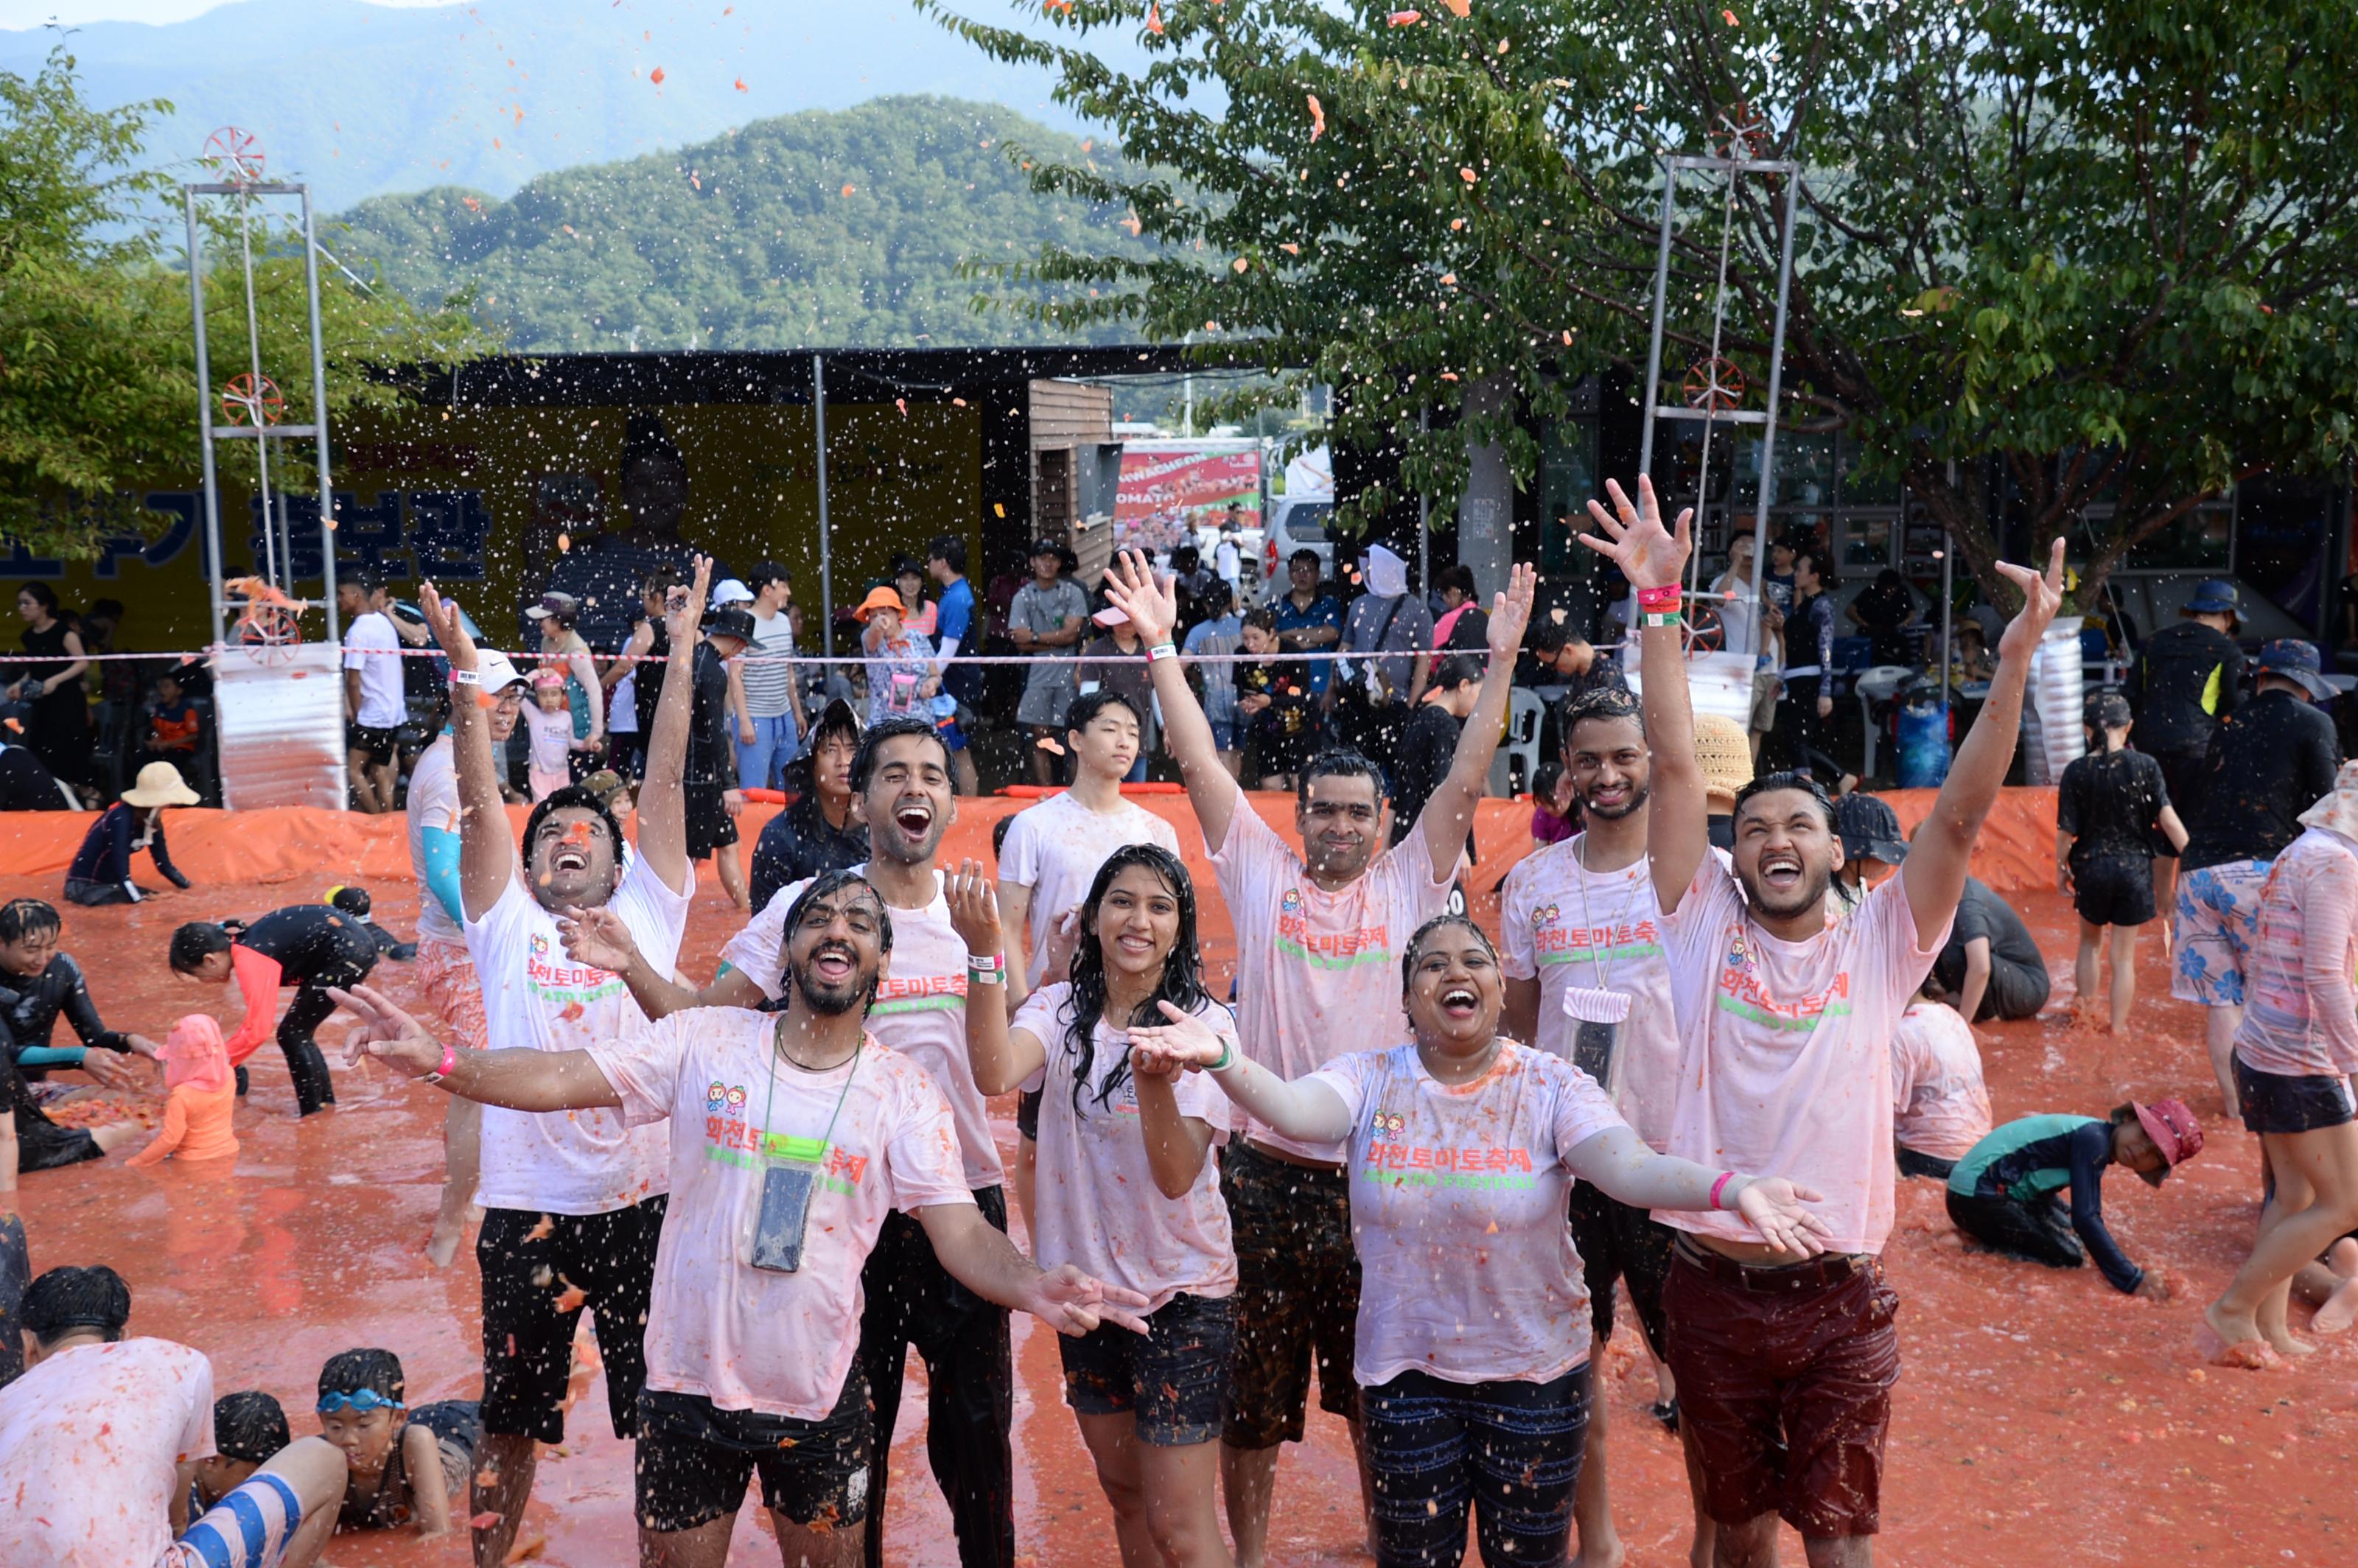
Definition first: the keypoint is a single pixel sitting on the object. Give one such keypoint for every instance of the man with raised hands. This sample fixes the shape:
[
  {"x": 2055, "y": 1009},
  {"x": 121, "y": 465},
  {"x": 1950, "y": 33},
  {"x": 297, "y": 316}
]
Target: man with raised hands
[
  {"x": 1785, "y": 1370},
  {"x": 1319, "y": 937},
  {"x": 573, "y": 1204},
  {"x": 791, "y": 1137}
]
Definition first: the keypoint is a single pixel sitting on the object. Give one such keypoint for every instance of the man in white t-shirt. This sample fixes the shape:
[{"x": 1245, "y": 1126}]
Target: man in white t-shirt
[
  {"x": 573, "y": 1204},
  {"x": 101, "y": 1433},
  {"x": 375, "y": 704},
  {"x": 1051, "y": 855},
  {"x": 1581, "y": 929},
  {"x": 771, "y": 721},
  {"x": 1786, "y": 1023},
  {"x": 793, "y": 1137},
  {"x": 1318, "y": 944},
  {"x": 445, "y": 972},
  {"x": 901, "y": 782}
]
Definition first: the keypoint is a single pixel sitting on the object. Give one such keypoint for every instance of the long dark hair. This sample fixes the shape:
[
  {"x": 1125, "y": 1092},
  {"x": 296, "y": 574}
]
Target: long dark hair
[{"x": 1182, "y": 976}]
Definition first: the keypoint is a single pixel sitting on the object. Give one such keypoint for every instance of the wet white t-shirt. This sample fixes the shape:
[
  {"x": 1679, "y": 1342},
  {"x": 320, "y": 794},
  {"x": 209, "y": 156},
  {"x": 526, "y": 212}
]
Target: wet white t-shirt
[
  {"x": 1785, "y": 1051},
  {"x": 1467, "y": 1270},
  {"x": 1572, "y": 928},
  {"x": 90, "y": 1443},
  {"x": 536, "y": 999},
  {"x": 920, "y": 1008},
  {"x": 1056, "y": 849},
  {"x": 1317, "y": 972},
  {"x": 433, "y": 803},
  {"x": 1941, "y": 1107},
  {"x": 1095, "y": 1194},
  {"x": 757, "y": 1339}
]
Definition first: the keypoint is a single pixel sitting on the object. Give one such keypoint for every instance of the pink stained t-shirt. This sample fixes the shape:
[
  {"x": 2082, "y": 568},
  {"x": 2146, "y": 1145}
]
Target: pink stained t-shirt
[
  {"x": 920, "y": 1008},
  {"x": 1939, "y": 1105},
  {"x": 1095, "y": 1196},
  {"x": 1317, "y": 972},
  {"x": 1056, "y": 847},
  {"x": 90, "y": 1443},
  {"x": 1785, "y": 1051},
  {"x": 1467, "y": 1270},
  {"x": 1568, "y": 927},
  {"x": 2298, "y": 992},
  {"x": 754, "y": 1340}
]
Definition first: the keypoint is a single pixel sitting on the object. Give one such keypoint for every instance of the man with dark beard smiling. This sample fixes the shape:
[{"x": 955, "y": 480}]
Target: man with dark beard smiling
[
  {"x": 790, "y": 1144},
  {"x": 901, "y": 783},
  {"x": 1785, "y": 1370}
]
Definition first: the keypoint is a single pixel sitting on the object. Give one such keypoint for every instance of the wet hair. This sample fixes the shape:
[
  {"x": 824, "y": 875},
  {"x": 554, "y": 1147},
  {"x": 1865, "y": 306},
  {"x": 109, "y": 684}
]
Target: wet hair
[
  {"x": 349, "y": 1371},
  {"x": 1089, "y": 704},
  {"x": 1416, "y": 944},
  {"x": 23, "y": 917},
  {"x": 863, "y": 763},
  {"x": 1458, "y": 576},
  {"x": 350, "y": 900},
  {"x": 1768, "y": 783},
  {"x": 998, "y": 831},
  {"x": 194, "y": 943},
  {"x": 1339, "y": 762},
  {"x": 821, "y": 886},
  {"x": 574, "y": 797},
  {"x": 1181, "y": 984},
  {"x": 40, "y": 593},
  {"x": 1262, "y": 619},
  {"x": 1549, "y": 637},
  {"x": 249, "y": 1426},
  {"x": 1545, "y": 783},
  {"x": 1598, "y": 702},
  {"x": 1932, "y": 989},
  {"x": 948, "y": 549},
  {"x": 71, "y": 1300},
  {"x": 2123, "y": 1114},
  {"x": 1454, "y": 670}
]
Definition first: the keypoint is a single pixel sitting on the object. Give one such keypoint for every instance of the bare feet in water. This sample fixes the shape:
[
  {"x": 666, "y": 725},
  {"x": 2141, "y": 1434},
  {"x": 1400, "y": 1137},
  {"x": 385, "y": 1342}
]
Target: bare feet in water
[{"x": 2236, "y": 1346}]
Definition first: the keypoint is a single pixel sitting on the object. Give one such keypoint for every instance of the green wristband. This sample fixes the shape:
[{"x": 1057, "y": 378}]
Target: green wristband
[{"x": 1228, "y": 1057}]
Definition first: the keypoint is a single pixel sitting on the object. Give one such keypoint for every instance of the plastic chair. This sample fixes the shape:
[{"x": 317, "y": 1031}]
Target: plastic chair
[
  {"x": 1874, "y": 686},
  {"x": 1526, "y": 714}
]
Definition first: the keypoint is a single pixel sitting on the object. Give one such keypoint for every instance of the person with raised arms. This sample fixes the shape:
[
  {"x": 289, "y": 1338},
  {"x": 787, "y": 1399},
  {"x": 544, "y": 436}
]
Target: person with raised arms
[
  {"x": 1311, "y": 931},
  {"x": 1472, "y": 1333},
  {"x": 1127, "y": 1190},
  {"x": 901, "y": 793},
  {"x": 1785, "y": 1370},
  {"x": 573, "y": 1204},
  {"x": 791, "y": 1138}
]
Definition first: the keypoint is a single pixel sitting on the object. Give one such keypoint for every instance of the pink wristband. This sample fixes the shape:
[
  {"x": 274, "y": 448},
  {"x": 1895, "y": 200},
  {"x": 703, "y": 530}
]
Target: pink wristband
[
  {"x": 449, "y": 1064},
  {"x": 1665, "y": 598},
  {"x": 1720, "y": 1186}
]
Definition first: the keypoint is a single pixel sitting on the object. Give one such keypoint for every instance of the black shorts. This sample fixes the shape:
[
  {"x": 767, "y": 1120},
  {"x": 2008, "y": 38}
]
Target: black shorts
[
  {"x": 609, "y": 1259},
  {"x": 1173, "y": 1378},
  {"x": 380, "y": 745},
  {"x": 46, "y": 1146},
  {"x": 2112, "y": 890},
  {"x": 1618, "y": 1242},
  {"x": 1027, "y": 1113},
  {"x": 694, "y": 1460},
  {"x": 2279, "y": 1102},
  {"x": 1297, "y": 1296},
  {"x": 1915, "y": 1162},
  {"x": 710, "y": 826}
]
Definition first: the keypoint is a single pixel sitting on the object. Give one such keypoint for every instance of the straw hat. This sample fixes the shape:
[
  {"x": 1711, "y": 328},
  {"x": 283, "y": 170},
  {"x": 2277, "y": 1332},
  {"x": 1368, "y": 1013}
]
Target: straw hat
[
  {"x": 880, "y": 598},
  {"x": 159, "y": 784},
  {"x": 1724, "y": 754}
]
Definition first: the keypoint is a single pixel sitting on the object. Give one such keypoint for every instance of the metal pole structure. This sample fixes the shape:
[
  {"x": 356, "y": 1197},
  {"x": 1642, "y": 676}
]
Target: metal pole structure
[
  {"x": 1776, "y": 386},
  {"x": 205, "y": 419},
  {"x": 1662, "y": 291},
  {"x": 826, "y": 566},
  {"x": 271, "y": 554},
  {"x": 319, "y": 418},
  {"x": 1423, "y": 517}
]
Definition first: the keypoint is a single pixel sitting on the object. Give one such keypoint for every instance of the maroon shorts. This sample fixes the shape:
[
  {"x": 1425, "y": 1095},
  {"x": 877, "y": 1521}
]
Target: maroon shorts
[{"x": 1785, "y": 1382}]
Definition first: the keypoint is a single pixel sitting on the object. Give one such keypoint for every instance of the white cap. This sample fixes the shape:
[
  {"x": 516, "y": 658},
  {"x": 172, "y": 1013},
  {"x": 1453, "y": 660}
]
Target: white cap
[
  {"x": 732, "y": 591},
  {"x": 497, "y": 671}
]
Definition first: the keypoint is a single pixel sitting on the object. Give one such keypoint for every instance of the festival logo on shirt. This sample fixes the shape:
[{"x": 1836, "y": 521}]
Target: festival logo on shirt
[
  {"x": 732, "y": 1140},
  {"x": 1554, "y": 942},
  {"x": 1327, "y": 949},
  {"x": 716, "y": 1095},
  {"x": 1489, "y": 1168},
  {"x": 1742, "y": 994},
  {"x": 573, "y": 987},
  {"x": 920, "y": 993}
]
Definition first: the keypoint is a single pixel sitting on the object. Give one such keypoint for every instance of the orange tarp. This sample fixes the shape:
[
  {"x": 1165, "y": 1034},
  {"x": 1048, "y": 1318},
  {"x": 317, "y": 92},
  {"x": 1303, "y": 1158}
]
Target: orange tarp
[{"x": 2017, "y": 849}]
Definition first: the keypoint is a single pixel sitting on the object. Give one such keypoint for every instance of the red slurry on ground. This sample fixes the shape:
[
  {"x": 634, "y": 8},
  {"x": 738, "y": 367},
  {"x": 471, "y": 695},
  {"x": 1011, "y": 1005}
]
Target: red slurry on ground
[{"x": 2040, "y": 1419}]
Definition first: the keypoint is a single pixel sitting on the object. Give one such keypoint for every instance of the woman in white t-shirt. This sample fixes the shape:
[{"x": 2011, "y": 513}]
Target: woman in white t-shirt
[
  {"x": 1126, "y": 1187},
  {"x": 1473, "y": 1334}
]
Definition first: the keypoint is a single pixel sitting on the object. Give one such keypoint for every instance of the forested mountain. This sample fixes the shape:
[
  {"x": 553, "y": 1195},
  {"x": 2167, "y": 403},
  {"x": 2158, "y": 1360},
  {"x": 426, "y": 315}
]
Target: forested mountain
[{"x": 819, "y": 229}]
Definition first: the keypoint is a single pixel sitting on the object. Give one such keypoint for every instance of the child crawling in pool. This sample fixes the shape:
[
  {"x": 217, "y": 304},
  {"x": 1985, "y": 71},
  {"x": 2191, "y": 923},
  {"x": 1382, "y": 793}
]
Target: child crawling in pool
[{"x": 407, "y": 1467}]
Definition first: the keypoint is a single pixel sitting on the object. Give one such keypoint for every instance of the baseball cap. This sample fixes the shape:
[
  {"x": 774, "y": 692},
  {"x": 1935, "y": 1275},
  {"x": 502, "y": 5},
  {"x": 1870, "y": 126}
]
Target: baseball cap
[
  {"x": 2174, "y": 1131},
  {"x": 732, "y": 591},
  {"x": 1869, "y": 829},
  {"x": 562, "y": 605},
  {"x": 1045, "y": 546},
  {"x": 496, "y": 670},
  {"x": 2297, "y": 662}
]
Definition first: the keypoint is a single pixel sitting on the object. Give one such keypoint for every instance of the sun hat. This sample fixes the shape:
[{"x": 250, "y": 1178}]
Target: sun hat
[
  {"x": 563, "y": 606},
  {"x": 2297, "y": 662},
  {"x": 1724, "y": 754},
  {"x": 2214, "y": 596},
  {"x": 194, "y": 1054},
  {"x": 881, "y": 597},
  {"x": 1869, "y": 829},
  {"x": 2174, "y": 1131},
  {"x": 730, "y": 621},
  {"x": 2338, "y": 811},
  {"x": 159, "y": 784},
  {"x": 605, "y": 783}
]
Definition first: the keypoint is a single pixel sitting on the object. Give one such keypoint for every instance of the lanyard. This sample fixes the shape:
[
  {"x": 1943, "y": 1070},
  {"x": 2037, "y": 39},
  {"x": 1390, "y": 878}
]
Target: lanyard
[{"x": 769, "y": 1100}]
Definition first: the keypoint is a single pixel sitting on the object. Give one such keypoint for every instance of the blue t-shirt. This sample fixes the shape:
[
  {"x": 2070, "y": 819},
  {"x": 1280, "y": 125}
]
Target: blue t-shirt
[
  {"x": 954, "y": 617},
  {"x": 1323, "y": 612}
]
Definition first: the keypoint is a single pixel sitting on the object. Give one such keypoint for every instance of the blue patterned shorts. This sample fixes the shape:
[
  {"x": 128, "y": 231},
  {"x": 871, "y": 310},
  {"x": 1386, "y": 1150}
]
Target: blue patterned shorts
[{"x": 2218, "y": 917}]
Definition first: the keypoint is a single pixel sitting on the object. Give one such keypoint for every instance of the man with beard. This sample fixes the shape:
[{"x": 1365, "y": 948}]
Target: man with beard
[
  {"x": 1785, "y": 1371},
  {"x": 790, "y": 1144},
  {"x": 444, "y": 973},
  {"x": 1582, "y": 929},
  {"x": 573, "y": 1204},
  {"x": 901, "y": 783},
  {"x": 1318, "y": 940}
]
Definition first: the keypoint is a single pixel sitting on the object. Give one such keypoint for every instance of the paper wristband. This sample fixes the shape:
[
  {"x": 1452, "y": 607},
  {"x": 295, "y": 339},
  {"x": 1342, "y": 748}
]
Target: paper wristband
[
  {"x": 1161, "y": 650},
  {"x": 465, "y": 677},
  {"x": 1659, "y": 617}
]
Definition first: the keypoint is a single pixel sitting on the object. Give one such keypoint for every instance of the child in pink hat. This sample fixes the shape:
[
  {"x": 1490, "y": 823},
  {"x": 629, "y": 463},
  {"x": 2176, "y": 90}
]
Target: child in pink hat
[{"x": 203, "y": 1096}]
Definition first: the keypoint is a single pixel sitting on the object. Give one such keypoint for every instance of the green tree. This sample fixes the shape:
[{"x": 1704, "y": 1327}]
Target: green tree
[
  {"x": 97, "y": 355},
  {"x": 2100, "y": 245}
]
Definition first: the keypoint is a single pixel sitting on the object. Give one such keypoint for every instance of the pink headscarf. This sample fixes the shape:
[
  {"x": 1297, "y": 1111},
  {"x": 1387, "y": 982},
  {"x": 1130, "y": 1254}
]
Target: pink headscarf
[{"x": 193, "y": 1055}]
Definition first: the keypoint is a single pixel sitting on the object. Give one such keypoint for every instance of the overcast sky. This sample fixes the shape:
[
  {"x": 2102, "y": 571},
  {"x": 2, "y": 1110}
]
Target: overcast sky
[{"x": 37, "y": 13}]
